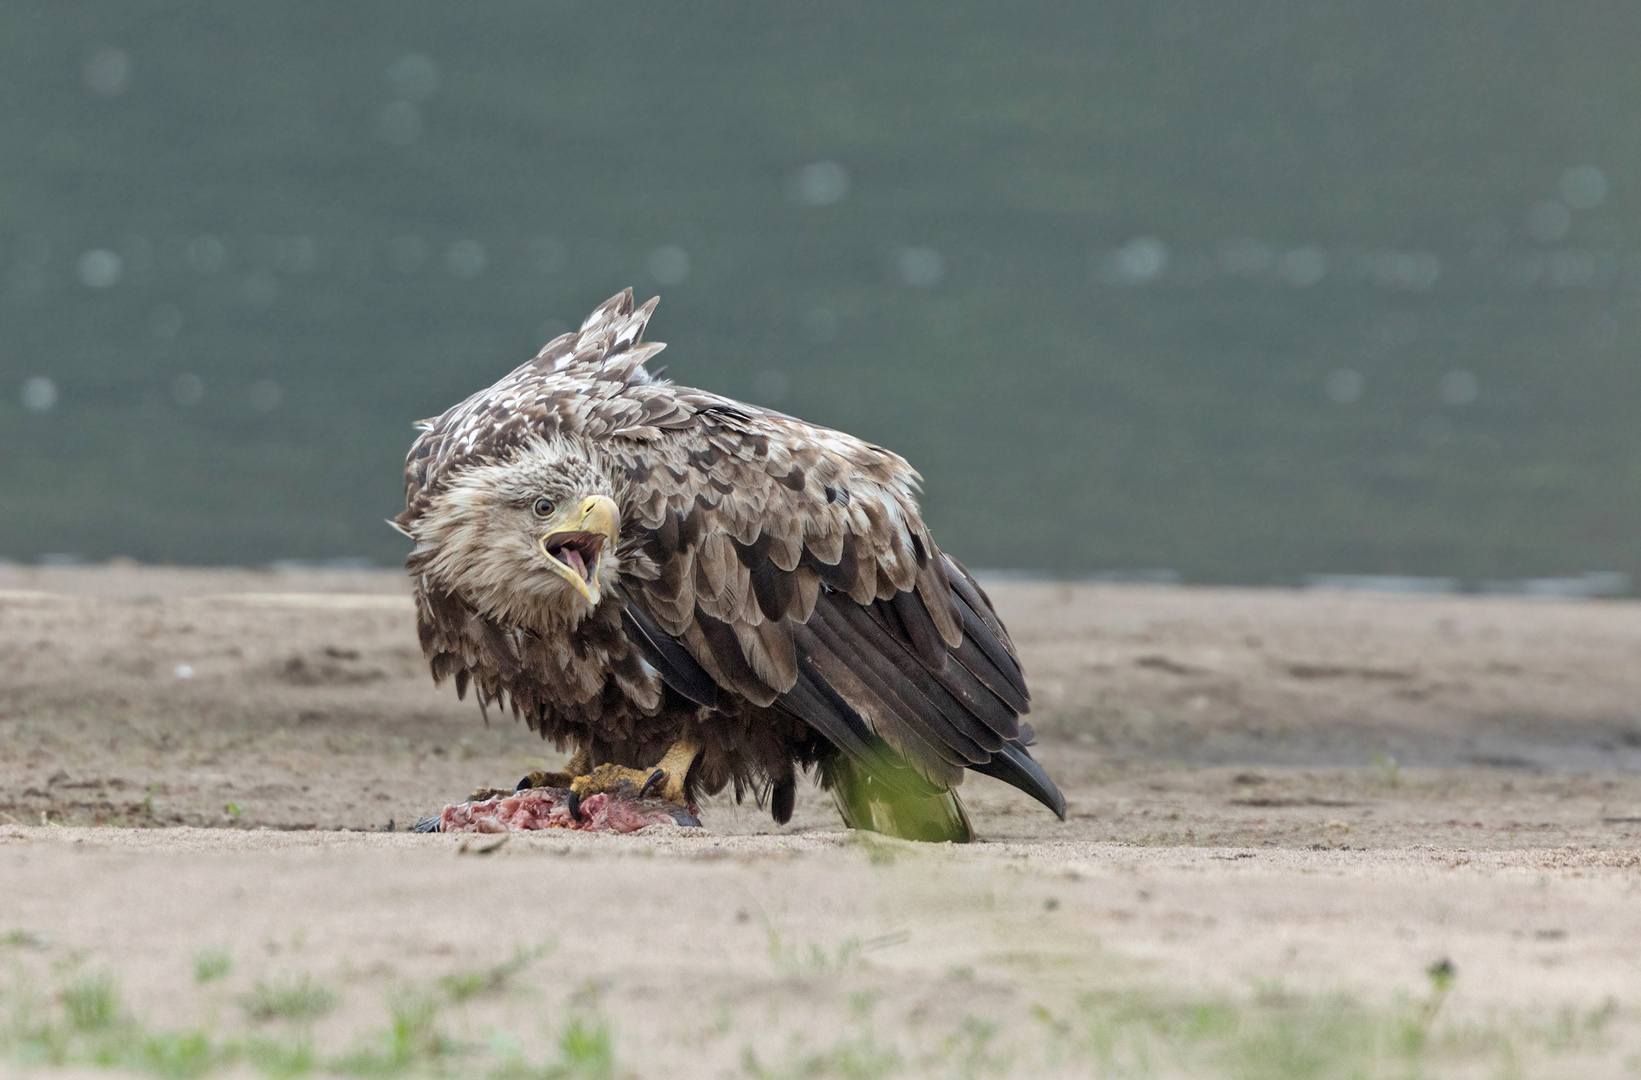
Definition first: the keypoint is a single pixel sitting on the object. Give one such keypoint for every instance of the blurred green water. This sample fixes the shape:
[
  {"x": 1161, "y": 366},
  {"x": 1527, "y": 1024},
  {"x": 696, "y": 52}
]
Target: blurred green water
[{"x": 1241, "y": 290}]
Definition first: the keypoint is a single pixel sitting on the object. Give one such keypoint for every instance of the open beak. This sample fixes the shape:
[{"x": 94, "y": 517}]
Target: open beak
[{"x": 574, "y": 554}]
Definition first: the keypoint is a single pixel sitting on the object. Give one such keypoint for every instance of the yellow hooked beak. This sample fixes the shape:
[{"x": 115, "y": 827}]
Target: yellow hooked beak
[{"x": 574, "y": 553}]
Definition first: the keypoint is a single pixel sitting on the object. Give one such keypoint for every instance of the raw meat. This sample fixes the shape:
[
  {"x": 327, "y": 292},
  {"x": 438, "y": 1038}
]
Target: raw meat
[{"x": 549, "y": 808}]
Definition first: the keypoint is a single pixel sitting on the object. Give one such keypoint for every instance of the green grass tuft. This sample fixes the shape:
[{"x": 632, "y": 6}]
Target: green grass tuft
[
  {"x": 494, "y": 980},
  {"x": 586, "y": 1050},
  {"x": 212, "y": 964},
  {"x": 815, "y": 960},
  {"x": 299, "y": 999},
  {"x": 280, "y": 1060},
  {"x": 412, "y": 1041},
  {"x": 180, "y": 1055},
  {"x": 857, "y": 1057},
  {"x": 93, "y": 1003}
]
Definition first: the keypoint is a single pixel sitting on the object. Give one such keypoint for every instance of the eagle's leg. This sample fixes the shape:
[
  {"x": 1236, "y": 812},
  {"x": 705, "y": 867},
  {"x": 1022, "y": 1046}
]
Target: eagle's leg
[
  {"x": 580, "y": 764},
  {"x": 665, "y": 778},
  {"x": 672, "y": 770}
]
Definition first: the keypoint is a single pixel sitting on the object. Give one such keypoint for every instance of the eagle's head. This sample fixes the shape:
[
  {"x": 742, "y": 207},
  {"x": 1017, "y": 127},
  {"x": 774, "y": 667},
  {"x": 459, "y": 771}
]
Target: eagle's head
[{"x": 529, "y": 539}]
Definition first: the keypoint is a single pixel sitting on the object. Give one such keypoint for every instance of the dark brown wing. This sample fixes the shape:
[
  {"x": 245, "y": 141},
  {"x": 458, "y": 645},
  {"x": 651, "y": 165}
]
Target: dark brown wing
[{"x": 792, "y": 565}]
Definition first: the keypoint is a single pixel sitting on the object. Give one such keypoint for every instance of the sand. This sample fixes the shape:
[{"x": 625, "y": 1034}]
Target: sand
[{"x": 1282, "y": 803}]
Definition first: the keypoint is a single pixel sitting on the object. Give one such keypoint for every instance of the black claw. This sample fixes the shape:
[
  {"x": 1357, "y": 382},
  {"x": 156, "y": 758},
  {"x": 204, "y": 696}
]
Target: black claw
[
  {"x": 428, "y": 824},
  {"x": 575, "y": 803},
  {"x": 524, "y": 785},
  {"x": 656, "y": 779}
]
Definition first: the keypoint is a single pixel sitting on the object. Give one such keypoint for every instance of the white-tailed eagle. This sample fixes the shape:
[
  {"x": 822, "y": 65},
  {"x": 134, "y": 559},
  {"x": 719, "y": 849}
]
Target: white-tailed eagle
[{"x": 697, "y": 593}]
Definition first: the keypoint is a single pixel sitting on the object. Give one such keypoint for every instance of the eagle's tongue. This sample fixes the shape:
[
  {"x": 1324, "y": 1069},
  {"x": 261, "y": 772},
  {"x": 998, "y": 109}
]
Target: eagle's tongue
[{"x": 572, "y": 559}]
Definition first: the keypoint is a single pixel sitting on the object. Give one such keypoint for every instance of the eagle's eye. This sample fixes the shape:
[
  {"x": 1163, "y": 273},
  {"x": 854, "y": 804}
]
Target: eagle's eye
[{"x": 543, "y": 508}]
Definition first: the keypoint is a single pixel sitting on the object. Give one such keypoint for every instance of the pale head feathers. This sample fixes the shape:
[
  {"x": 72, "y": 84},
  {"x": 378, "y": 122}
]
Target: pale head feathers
[
  {"x": 479, "y": 536},
  {"x": 593, "y": 364}
]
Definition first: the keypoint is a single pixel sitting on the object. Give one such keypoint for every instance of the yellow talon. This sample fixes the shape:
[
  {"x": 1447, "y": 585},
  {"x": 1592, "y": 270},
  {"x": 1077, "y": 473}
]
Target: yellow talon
[
  {"x": 676, "y": 765},
  {"x": 546, "y": 779},
  {"x": 580, "y": 763},
  {"x": 665, "y": 779},
  {"x": 609, "y": 778}
]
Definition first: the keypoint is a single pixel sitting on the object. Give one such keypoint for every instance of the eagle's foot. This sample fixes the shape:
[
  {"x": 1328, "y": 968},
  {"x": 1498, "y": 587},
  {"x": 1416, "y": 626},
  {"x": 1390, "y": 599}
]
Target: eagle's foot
[
  {"x": 545, "y": 779},
  {"x": 580, "y": 762},
  {"x": 613, "y": 778},
  {"x": 664, "y": 780}
]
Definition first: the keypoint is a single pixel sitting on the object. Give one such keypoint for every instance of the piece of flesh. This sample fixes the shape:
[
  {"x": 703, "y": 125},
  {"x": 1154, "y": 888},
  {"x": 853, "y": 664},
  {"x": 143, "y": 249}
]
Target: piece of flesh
[{"x": 621, "y": 811}]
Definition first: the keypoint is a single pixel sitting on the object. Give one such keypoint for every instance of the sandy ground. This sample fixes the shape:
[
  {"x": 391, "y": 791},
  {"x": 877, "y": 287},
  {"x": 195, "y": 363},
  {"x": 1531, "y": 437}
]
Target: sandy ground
[{"x": 1277, "y": 801}]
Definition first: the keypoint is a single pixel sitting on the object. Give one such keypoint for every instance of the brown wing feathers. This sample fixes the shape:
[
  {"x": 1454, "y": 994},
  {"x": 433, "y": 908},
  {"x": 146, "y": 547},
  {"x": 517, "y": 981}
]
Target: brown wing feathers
[
  {"x": 677, "y": 668},
  {"x": 793, "y": 567},
  {"x": 864, "y": 674},
  {"x": 817, "y": 702},
  {"x": 893, "y": 705}
]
